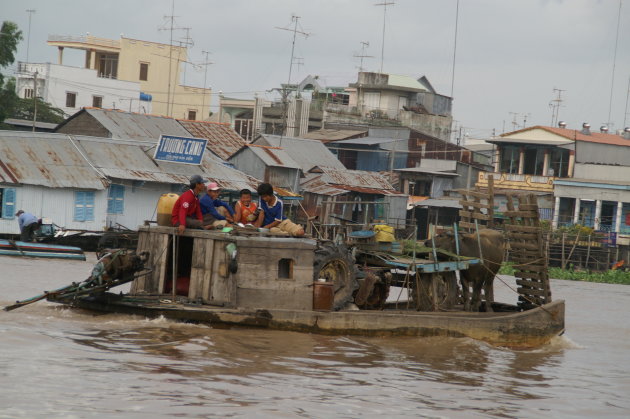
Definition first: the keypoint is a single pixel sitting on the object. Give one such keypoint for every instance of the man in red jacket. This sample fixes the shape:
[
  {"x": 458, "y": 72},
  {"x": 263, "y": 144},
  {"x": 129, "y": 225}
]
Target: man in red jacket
[{"x": 186, "y": 211}]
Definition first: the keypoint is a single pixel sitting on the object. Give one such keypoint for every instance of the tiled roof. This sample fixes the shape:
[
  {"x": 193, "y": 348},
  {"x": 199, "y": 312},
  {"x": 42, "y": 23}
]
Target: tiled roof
[{"x": 222, "y": 139}]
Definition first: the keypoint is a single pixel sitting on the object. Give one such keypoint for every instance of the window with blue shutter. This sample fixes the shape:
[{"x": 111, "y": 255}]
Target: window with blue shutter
[
  {"x": 8, "y": 203},
  {"x": 116, "y": 199},
  {"x": 84, "y": 206}
]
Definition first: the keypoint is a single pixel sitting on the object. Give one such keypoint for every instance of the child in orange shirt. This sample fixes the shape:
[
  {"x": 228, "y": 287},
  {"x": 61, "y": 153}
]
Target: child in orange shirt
[{"x": 245, "y": 208}]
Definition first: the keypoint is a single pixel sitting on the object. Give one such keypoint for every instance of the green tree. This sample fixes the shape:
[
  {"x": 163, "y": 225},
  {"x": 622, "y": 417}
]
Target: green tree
[
  {"x": 25, "y": 108},
  {"x": 10, "y": 37}
]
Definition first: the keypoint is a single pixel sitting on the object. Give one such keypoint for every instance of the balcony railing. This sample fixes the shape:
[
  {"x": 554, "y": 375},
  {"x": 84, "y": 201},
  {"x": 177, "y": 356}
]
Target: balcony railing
[
  {"x": 518, "y": 182},
  {"x": 31, "y": 68}
]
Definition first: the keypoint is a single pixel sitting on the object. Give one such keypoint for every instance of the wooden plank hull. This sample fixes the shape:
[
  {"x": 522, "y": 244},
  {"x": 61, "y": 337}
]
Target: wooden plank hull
[
  {"x": 42, "y": 250},
  {"x": 519, "y": 330}
]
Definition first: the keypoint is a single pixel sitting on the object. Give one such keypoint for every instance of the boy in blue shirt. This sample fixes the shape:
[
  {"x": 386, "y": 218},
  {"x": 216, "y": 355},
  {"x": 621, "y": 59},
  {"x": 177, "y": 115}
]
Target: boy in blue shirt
[
  {"x": 215, "y": 211},
  {"x": 272, "y": 216}
]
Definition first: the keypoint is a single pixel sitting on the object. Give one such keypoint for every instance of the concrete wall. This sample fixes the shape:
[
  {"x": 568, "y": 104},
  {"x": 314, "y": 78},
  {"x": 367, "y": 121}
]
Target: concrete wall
[
  {"x": 603, "y": 154},
  {"x": 433, "y": 125},
  {"x": 183, "y": 98},
  {"x": 603, "y": 172},
  {"x": 594, "y": 193}
]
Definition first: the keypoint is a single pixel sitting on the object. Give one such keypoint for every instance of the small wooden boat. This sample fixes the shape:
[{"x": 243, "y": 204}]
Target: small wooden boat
[{"x": 41, "y": 250}]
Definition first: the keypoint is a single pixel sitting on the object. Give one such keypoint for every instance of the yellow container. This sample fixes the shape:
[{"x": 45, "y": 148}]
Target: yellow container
[
  {"x": 165, "y": 208},
  {"x": 384, "y": 233}
]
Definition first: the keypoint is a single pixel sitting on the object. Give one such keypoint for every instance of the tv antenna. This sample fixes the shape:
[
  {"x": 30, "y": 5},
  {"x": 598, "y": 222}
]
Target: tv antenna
[
  {"x": 384, "y": 4},
  {"x": 205, "y": 78},
  {"x": 171, "y": 27},
  {"x": 555, "y": 106},
  {"x": 295, "y": 21},
  {"x": 364, "y": 45},
  {"x": 285, "y": 92}
]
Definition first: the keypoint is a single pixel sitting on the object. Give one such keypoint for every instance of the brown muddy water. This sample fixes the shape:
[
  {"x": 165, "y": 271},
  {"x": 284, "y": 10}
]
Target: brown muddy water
[{"x": 62, "y": 363}]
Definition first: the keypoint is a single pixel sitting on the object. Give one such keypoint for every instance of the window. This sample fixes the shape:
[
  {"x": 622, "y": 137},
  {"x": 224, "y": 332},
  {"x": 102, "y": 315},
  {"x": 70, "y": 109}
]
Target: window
[
  {"x": 144, "y": 71},
  {"x": 28, "y": 93},
  {"x": 116, "y": 199},
  {"x": 192, "y": 115},
  {"x": 71, "y": 99},
  {"x": 108, "y": 66},
  {"x": 84, "y": 206},
  {"x": 7, "y": 197},
  {"x": 285, "y": 269},
  {"x": 97, "y": 101}
]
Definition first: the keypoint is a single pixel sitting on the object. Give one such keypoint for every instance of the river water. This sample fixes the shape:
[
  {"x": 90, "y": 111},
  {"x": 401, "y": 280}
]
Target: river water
[{"x": 61, "y": 363}]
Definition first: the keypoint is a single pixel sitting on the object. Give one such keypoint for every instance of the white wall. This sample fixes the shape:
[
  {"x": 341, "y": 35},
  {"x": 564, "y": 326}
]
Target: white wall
[
  {"x": 140, "y": 204},
  {"x": 60, "y": 79},
  {"x": 56, "y": 204}
]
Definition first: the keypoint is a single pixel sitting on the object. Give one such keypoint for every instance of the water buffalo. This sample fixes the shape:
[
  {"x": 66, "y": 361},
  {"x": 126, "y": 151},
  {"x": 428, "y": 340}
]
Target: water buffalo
[{"x": 478, "y": 276}]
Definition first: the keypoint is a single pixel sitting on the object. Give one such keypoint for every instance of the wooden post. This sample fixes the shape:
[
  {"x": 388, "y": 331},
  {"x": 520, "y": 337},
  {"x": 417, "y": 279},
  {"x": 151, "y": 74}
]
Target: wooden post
[
  {"x": 563, "y": 261},
  {"x": 588, "y": 251}
]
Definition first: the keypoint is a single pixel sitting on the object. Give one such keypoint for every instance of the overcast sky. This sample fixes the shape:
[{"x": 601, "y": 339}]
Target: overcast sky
[{"x": 511, "y": 54}]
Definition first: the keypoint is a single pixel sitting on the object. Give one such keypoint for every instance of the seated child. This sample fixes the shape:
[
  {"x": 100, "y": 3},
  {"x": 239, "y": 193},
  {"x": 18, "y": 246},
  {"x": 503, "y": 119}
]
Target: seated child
[
  {"x": 245, "y": 209},
  {"x": 272, "y": 216}
]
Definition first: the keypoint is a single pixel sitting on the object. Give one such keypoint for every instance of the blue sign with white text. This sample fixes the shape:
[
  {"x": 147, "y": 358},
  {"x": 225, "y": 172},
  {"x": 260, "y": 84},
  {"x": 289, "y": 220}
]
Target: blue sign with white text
[{"x": 180, "y": 149}]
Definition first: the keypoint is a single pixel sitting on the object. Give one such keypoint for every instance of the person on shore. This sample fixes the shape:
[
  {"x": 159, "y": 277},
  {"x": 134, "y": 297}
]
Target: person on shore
[
  {"x": 245, "y": 208},
  {"x": 214, "y": 211},
  {"x": 272, "y": 216},
  {"x": 28, "y": 225},
  {"x": 187, "y": 211}
]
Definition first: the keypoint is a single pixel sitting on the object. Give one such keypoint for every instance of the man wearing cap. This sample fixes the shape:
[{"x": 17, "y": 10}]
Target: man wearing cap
[
  {"x": 28, "y": 225},
  {"x": 187, "y": 211},
  {"x": 211, "y": 207}
]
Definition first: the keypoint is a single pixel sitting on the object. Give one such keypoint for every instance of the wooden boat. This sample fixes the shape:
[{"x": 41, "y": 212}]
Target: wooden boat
[
  {"x": 42, "y": 250},
  {"x": 257, "y": 280}
]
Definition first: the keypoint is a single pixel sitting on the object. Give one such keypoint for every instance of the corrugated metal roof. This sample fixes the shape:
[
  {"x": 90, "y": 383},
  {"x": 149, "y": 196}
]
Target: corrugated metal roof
[
  {"x": 135, "y": 125},
  {"x": 61, "y": 160},
  {"x": 128, "y": 159},
  {"x": 329, "y": 134},
  {"x": 319, "y": 187},
  {"x": 45, "y": 159},
  {"x": 355, "y": 178},
  {"x": 404, "y": 81},
  {"x": 275, "y": 157},
  {"x": 368, "y": 141},
  {"x": 222, "y": 139},
  {"x": 306, "y": 153},
  {"x": 427, "y": 171}
]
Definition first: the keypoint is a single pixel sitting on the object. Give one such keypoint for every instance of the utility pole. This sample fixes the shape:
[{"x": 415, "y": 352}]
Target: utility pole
[
  {"x": 612, "y": 78},
  {"x": 28, "y": 38},
  {"x": 170, "y": 60},
  {"x": 555, "y": 106},
  {"x": 625, "y": 113},
  {"x": 364, "y": 45},
  {"x": 34, "y": 100},
  {"x": 205, "y": 77},
  {"x": 384, "y": 4}
]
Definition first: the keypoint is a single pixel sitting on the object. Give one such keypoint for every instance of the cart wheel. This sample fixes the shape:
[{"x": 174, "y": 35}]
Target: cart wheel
[{"x": 336, "y": 264}]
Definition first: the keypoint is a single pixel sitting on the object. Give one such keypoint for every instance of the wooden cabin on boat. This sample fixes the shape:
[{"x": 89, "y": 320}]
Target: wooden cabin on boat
[{"x": 266, "y": 271}]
